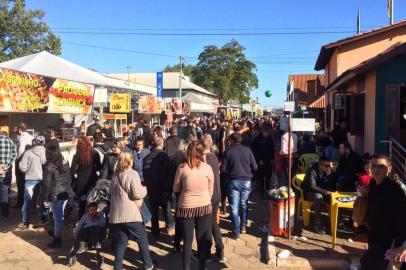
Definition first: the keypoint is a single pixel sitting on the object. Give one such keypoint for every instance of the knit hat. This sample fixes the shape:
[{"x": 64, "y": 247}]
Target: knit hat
[{"x": 39, "y": 139}]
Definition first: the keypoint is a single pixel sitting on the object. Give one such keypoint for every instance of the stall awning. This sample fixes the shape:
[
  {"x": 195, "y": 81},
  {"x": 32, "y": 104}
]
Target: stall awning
[{"x": 319, "y": 103}]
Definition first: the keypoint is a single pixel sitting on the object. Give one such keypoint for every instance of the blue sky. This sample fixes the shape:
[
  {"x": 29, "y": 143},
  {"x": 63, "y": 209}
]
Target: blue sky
[{"x": 276, "y": 56}]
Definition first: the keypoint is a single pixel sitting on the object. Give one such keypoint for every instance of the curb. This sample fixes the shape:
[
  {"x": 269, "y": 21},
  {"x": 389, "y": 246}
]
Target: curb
[{"x": 298, "y": 262}]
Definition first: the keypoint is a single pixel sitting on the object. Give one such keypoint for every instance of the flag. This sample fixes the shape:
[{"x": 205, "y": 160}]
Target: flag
[
  {"x": 390, "y": 11},
  {"x": 390, "y": 3},
  {"x": 359, "y": 22}
]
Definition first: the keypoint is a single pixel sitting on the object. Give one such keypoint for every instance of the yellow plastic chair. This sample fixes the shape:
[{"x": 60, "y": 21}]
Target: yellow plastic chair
[
  {"x": 334, "y": 206},
  {"x": 306, "y": 161},
  {"x": 304, "y": 206}
]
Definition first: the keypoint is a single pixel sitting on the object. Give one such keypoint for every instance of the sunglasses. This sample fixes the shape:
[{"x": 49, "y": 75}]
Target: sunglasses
[{"x": 380, "y": 166}]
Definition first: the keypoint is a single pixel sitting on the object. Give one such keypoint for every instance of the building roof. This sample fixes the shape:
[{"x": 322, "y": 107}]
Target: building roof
[
  {"x": 382, "y": 58},
  {"x": 327, "y": 50},
  {"x": 171, "y": 81},
  {"x": 300, "y": 83}
]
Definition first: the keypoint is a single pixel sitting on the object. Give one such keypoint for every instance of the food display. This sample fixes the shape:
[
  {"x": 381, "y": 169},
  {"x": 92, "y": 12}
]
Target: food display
[
  {"x": 25, "y": 92},
  {"x": 149, "y": 104},
  {"x": 70, "y": 97},
  {"x": 22, "y": 92}
]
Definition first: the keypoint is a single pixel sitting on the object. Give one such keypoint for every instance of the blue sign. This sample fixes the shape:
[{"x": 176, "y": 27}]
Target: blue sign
[{"x": 160, "y": 84}]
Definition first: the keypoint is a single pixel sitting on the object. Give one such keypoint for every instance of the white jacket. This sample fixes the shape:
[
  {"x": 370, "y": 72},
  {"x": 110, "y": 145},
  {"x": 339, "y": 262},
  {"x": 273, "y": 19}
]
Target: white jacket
[{"x": 24, "y": 140}]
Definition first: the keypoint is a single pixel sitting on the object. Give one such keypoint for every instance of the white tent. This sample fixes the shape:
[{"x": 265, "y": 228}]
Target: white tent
[{"x": 47, "y": 64}]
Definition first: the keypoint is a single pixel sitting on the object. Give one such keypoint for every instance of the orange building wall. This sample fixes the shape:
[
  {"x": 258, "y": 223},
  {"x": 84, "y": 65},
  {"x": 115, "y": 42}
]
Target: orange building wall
[
  {"x": 332, "y": 68},
  {"x": 369, "y": 126},
  {"x": 354, "y": 53}
]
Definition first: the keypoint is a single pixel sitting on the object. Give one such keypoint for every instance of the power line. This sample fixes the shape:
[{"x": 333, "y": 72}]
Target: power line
[
  {"x": 255, "y": 58},
  {"x": 206, "y": 29},
  {"x": 117, "y": 49},
  {"x": 204, "y": 34}
]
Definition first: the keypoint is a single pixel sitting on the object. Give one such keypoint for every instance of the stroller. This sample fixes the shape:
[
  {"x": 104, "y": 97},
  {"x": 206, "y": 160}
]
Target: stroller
[{"x": 100, "y": 194}]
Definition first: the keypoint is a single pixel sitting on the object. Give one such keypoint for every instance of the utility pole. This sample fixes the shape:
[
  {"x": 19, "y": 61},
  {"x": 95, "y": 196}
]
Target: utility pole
[
  {"x": 128, "y": 72},
  {"x": 180, "y": 76}
]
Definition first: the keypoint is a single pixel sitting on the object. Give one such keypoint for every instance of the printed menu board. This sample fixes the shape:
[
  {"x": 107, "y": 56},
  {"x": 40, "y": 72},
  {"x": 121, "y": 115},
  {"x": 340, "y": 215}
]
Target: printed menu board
[
  {"x": 120, "y": 103},
  {"x": 25, "y": 92},
  {"x": 149, "y": 104}
]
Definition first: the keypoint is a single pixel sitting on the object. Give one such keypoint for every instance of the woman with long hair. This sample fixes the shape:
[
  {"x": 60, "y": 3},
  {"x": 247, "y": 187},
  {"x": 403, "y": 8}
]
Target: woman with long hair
[
  {"x": 174, "y": 161},
  {"x": 127, "y": 196},
  {"x": 211, "y": 159},
  {"x": 194, "y": 180},
  {"x": 85, "y": 169},
  {"x": 57, "y": 189}
]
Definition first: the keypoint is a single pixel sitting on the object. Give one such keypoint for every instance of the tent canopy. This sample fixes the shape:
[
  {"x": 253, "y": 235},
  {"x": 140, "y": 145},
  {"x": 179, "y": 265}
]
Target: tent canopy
[{"x": 49, "y": 65}]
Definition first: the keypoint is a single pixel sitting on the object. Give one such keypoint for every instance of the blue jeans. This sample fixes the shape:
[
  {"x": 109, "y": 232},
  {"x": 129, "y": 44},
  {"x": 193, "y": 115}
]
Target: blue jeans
[
  {"x": 29, "y": 186},
  {"x": 58, "y": 208},
  {"x": 3, "y": 191},
  {"x": 131, "y": 230},
  {"x": 239, "y": 191}
]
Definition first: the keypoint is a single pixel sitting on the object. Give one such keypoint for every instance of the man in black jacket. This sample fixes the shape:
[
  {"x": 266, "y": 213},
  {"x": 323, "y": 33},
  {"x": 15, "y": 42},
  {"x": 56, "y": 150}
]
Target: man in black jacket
[
  {"x": 317, "y": 187},
  {"x": 386, "y": 217},
  {"x": 108, "y": 134},
  {"x": 172, "y": 142},
  {"x": 264, "y": 153},
  {"x": 238, "y": 164},
  {"x": 155, "y": 170},
  {"x": 93, "y": 128},
  {"x": 349, "y": 166}
]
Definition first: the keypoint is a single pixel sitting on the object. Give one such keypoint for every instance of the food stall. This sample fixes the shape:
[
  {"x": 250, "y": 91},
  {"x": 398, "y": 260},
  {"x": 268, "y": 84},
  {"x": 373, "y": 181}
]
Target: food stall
[
  {"x": 120, "y": 107},
  {"x": 41, "y": 102}
]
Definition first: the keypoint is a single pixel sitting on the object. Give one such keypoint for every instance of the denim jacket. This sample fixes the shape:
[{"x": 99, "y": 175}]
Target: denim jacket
[{"x": 138, "y": 161}]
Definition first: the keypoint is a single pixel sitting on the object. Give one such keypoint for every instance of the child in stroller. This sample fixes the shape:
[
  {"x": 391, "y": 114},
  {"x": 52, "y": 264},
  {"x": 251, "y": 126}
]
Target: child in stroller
[{"x": 90, "y": 231}]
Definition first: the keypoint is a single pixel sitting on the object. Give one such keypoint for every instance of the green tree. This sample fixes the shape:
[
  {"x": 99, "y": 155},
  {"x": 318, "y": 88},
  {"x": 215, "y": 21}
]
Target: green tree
[
  {"x": 24, "y": 32},
  {"x": 186, "y": 69},
  {"x": 227, "y": 72}
]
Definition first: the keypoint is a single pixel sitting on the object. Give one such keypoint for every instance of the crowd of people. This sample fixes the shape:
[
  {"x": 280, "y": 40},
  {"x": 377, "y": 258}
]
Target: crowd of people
[{"x": 189, "y": 171}]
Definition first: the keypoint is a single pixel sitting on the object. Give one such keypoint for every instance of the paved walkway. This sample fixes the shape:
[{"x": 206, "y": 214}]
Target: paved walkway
[{"x": 27, "y": 249}]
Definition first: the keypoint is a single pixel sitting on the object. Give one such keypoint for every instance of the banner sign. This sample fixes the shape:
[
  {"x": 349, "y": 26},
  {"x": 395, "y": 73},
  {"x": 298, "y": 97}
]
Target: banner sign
[
  {"x": 160, "y": 84},
  {"x": 149, "y": 104},
  {"x": 24, "y": 92},
  {"x": 120, "y": 103},
  {"x": 177, "y": 106}
]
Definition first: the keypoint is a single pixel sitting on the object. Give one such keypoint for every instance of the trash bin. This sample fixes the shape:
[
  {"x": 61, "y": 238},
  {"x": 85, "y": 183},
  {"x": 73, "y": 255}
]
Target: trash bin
[{"x": 278, "y": 211}]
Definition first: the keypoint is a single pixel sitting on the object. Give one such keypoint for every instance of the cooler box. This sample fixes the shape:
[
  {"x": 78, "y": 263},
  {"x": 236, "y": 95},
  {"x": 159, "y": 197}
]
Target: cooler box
[{"x": 278, "y": 216}]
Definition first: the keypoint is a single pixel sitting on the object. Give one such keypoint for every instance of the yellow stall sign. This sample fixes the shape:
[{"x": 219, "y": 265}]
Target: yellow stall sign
[{"x": 120, "y": 103}]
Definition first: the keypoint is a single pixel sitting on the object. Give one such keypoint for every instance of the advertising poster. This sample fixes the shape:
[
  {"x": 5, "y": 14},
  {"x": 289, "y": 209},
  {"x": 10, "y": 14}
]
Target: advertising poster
[
  {"x": 24, "y": 92},
  {"x": 149, "y": 104},
  {"x": 120, "y": 103}
]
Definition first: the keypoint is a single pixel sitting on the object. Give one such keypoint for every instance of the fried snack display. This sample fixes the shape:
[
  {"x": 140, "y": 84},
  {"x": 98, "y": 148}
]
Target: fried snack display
[{"x": 22, "y": 92}]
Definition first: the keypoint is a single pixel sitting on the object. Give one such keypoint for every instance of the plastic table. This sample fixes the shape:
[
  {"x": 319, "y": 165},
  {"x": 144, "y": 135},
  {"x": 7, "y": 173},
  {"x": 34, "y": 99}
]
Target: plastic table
[{"x": 338, "y": 200}]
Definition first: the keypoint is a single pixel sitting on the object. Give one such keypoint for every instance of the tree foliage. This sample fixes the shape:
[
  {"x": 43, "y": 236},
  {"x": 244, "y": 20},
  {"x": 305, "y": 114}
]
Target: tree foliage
[
  {"x": 226, "y": 71},
  {"x": 24, "y": 32},
  {"x": 186, "y": 69}
]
